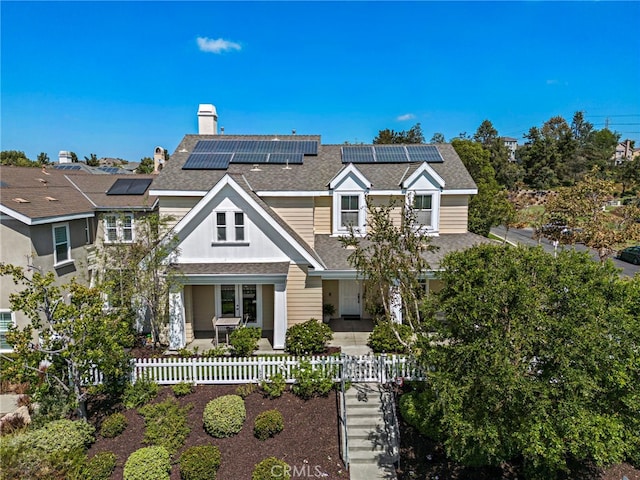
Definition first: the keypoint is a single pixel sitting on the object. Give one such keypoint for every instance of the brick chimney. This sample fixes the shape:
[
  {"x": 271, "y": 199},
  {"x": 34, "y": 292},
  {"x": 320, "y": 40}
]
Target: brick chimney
[{"x": 207, "y": 119}]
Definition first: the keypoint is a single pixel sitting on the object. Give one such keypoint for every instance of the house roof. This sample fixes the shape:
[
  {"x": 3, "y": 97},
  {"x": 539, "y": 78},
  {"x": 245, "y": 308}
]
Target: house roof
[
  {"x": 277, "y": 268},
  {"x": 314, "y": 174},
  {"x": 33, "y": 195}
]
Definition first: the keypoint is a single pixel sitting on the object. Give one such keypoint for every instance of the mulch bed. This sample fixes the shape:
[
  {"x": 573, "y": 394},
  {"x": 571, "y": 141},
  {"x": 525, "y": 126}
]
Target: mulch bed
[
  {"x": 422, "y": 458},
  {"x": 308, "y": 443}
]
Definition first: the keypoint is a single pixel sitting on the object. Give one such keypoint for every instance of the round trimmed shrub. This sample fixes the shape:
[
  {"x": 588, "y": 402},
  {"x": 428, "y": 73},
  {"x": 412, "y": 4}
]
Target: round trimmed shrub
[
  {"x": 308, "y": 338},
  {"x": 200, "y": 463},
  {"x": 148, "y": 463},
  {"x": 224, "y": 416},
  {"x": 181, "y": 389},
  {"x": 99, "y": 467},
  {"x": 268, "y": 424},
  {"x": 113, "y": 425},
  {"x": 383, "y": 339},
  {"x": 271, "y": 468}
]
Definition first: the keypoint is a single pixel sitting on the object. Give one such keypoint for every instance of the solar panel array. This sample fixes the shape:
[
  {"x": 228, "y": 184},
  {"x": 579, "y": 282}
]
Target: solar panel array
[
  {"x": 110, "y": 170},
  {"x": 391, "y": 154},
  {"x": 67, "y": 167},
  {"x": 129, "y": 186},
  {"x": 218, "y": 154}
]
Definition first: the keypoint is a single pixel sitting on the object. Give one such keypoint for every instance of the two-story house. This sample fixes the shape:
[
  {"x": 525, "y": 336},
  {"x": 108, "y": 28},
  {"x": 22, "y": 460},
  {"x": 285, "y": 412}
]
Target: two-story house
[
  {"x": 259, "y": 218},
  {"x": 52, "y": 219}
]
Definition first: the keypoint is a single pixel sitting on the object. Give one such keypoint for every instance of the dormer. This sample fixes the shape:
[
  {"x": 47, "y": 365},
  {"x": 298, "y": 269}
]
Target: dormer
[
  {"x": 349, "y": 188},
  {"x": 423, "y": 190}
]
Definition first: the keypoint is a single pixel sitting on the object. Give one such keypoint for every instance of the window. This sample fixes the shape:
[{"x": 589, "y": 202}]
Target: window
[
  {"x": 422, "y": 209},
  {"x": 118, "y": 228},
  {"x": 6, "y": 321},
  {"x": 62, "y": 247},
  {"x": 230, "y": 227},
  {"x": 349, "y": 211}
]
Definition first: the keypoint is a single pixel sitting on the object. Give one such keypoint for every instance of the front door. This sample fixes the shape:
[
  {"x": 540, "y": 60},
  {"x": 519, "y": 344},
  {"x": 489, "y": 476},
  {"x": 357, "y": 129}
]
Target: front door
[
  {"x": 350, "y": 298},
  {"x": 240, "y": 301}
]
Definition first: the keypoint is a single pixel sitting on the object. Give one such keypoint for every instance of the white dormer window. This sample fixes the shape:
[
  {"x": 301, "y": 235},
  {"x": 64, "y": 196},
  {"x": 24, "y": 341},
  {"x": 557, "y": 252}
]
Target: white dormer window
[
  {"x": 426, "y": 208},
  {"x": 349, "y": 212},
  {"x": 230, "y": 227},
  {"x": 422, "y": 207}
]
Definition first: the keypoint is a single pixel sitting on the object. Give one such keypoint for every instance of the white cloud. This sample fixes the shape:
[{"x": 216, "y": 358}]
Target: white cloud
[
  {"x": 405, "y": 117},
  {"x": 216, "y": 46}
]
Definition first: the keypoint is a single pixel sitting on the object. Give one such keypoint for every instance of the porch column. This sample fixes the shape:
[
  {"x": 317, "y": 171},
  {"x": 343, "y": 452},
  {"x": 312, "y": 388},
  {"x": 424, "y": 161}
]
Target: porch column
[
  {"x": 396, "y": 304},
  {"x": 279, "y": 315},
  {"x": 176, "y": 321}
]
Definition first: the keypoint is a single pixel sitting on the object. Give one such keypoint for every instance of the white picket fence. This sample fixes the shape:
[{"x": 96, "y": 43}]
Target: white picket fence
[{"x": 238, "y": 370}]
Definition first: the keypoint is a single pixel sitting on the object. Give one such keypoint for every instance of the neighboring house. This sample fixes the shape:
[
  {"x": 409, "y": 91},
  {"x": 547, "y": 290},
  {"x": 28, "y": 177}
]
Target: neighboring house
[
  {"x": 50, "y": 219},
  {"x": 623, "y": 152},
  {"x": 259, "y": 219},
  {"x": 512, "y": 144}
]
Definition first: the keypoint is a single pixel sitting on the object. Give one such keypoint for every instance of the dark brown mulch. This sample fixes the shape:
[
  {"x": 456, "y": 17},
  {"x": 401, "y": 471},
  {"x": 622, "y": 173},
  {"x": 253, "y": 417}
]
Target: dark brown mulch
[
  {"x": 422, "y": 458},
  {"x": 309, "y": 441}
]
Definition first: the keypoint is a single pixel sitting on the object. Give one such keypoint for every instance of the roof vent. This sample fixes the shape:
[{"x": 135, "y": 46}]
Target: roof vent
[{"x": 20, "y": 200}]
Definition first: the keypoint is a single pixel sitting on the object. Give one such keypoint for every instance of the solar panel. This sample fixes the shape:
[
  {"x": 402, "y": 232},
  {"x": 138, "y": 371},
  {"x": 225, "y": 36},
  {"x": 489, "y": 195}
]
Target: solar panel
[
  {"x": 391, "y": 154},
  {"x": 286, "y": 158},
  {"x": 307, "y": 147},
  {"x": 357, "y": 154},
  {"x": 207, "y": 161},
  {"x": 129, "y": 186},
  {"x": 110, "y": 170},
  {"x": 249, "y": 158},
  {"x": 424, "y": 153},
  {"x": 67, "y": 167}
]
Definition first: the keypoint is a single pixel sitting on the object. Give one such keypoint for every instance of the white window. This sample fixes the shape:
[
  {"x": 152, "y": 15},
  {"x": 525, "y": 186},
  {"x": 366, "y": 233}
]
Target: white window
[
  {"x": 118, "y": 228},
  {"x": 422, "y": 209},
  {"x": 6, "y": 321},
  {"x": 349, "y": 213},
  {"x": 230, "y": 227},
  {"x": 61, "y": 243}
]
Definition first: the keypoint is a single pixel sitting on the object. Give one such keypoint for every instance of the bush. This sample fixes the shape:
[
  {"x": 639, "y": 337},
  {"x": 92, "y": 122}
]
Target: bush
[
  {"x": 166, "y": 424},
  {"x": 139, "y": 393},
  {"x": 268, "y": 424},
  {"x": 274, "y": 386},
  {"x": 99, "y": 467},
  {"x": 148, "y": 463},
  {"x": 113, "y": 425},
  {"x": 244, "y": 340},
  {"x": 384, "y": 340},
  {"x": 224, "y": 416},
  {"x": 414, "y": 409},
  {"x": 181, "y": 389},
  {"x": 310, "y": 381},
  {"x": 245, "y": 390},
  {"x": 308, "y": 338},
  {"x": 58, "y": 436},
  {"x": 271, "y": 468},
  {"x": 200, "y": 463}
]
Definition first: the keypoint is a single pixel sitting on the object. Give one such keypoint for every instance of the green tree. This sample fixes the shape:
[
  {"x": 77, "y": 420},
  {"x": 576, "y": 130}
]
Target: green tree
[
  {"x": 74, "y": 157},
  {"x": 488, "y": 137},
  {"x": 76, "y": 334},
  {"x": 413, "y": 135},
  {"x": 489, "y": 207},
  {"x": 17, "y": 158},
  {"x": 43, "y": 159},
  {"x": 146, "y": 165},
  {"x": 628, "y": 175},
  {"x": 537, "y": 358},
  {"x": 391, "y": 257},
  {"x": 92, "y": 160},
  {"x": 437, "y": 138},
  {"x": 136, "y": 274}
]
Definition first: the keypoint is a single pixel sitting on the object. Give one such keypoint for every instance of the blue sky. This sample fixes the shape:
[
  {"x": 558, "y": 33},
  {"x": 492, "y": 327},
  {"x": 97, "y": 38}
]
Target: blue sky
[{"x": 119, "y": 78}]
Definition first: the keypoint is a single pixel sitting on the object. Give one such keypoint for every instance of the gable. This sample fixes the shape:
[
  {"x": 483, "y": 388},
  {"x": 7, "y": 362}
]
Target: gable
[{"x": 424, "y": 178}]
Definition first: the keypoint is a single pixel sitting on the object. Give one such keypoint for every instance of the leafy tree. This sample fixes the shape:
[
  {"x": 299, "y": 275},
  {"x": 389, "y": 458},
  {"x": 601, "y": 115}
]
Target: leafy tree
[
  {"x": 74, "y": 157},
  {"x": 76, "y": 334},
  {"x": 536, "y": 358},
  {"x": 488, "y": 137},
  {"x": 628, "y": 175},
  {"x": 437, "y": 138},
  {"x": 43, "y": 159},
  {"x": 146, "y": 165},
  {"x": 92, "y": 160},
  {"x": 137, "y": 274},
  {"x": 583, "y": 209},
  {"x": 391, "y": 257},
  {"x": 413, "y": 135},
  {"x": 489, "y": 207},
  {"x": 17, "y": 158}
]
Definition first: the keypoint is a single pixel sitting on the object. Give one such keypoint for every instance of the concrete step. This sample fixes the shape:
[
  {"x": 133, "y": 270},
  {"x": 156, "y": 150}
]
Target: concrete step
[
  {"x": 370, "y": 458},
  {"x": 372, "y": 421},
  {"x": 377, "y": 445},
  {"x": 372, "y": 472}
]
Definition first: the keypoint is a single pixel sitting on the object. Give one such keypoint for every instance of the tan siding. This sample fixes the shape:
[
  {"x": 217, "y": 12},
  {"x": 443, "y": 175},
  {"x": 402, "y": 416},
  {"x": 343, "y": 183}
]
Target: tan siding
[
  {"x": 176, "y": 207},
  {"x": 331, "y": 293},
  {"x": 304, "y": 296},
  {"x": 396, "y": 211},
  {"x": 454, "y": 212},
  {"x": 322, "y": 215},
  {"x": 188, "y": 313},
  {"x": 435, "y": 285},
  {"x": 297, "y": 212},
  {"x": 203, "y": 308}
]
